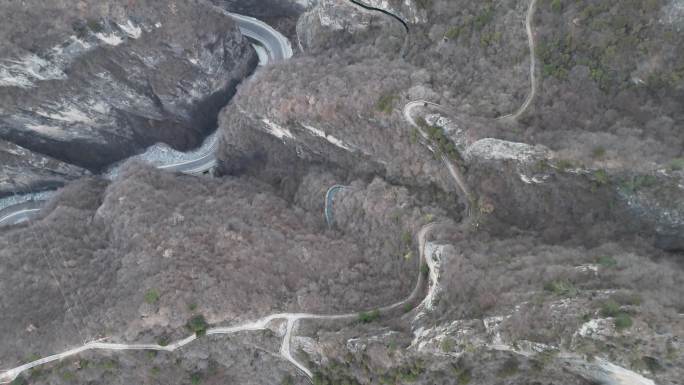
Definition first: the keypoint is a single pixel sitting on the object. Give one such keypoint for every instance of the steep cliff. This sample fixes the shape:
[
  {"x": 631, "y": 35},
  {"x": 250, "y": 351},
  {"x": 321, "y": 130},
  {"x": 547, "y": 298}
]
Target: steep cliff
[{"x": 96, "y": 82}]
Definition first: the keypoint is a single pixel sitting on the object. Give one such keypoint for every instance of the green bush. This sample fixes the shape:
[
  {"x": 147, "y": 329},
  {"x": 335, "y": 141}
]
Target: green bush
[
  {"x": 598, "y": 152},
  {"x": 425, "y": 269},
  {"x": 163, "y": 341},
  {"x": 196, "y": 378},
  {"x": 368, "y": 317},
  {"x": 556, "y": 56},
  {"x": 484, "y": 17},
  {"x": 152, "y": 296},
  {"x": 607, "y": 261},
  {"x": 639, "y": 182},
  {"x": 610, "y": 308},
  {"x": 406, "y": 238},
  {"x": 601, "y": 177},
  {"x": 386, "y": 103},
  {"x": 676, "y": 164},
  {"x": 453, "y": 32},
  {"x": 438, "y": 138},
  {"x": 198, "y": 325},
  {"x": 564, "y": 164},
  {"x": 623, "y": 321},
  {"x": 556, "y": 6},
  {"x": 447, "y": 345},
  {"x": 561, "y": 287}
]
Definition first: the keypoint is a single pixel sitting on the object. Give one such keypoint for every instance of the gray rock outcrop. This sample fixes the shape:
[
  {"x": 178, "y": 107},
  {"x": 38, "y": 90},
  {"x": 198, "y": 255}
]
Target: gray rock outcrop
[
  {"x": 95, "y": 82},
  {"x": 25, "y": 171}
]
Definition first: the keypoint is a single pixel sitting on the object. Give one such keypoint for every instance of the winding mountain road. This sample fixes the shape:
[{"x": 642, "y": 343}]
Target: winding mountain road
[
  {"x": 258, "y": 325},
  {"x": 265, "y": 39},
  {"x": 19, "y": 213},
  {"x": 278, "y": 48},
  {"x": 329, "y": 200}
]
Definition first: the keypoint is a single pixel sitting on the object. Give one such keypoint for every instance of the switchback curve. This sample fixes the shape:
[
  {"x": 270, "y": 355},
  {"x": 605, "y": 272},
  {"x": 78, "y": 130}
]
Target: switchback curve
[{"x": 278, "y": 48}]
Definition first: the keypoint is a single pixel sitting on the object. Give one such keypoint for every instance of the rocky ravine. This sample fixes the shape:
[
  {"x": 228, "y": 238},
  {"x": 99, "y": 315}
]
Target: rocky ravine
[
  {"x": 24, "y": 171},
  {"x": 546, "y": 281},
  {"x": 97, "y": 82}
]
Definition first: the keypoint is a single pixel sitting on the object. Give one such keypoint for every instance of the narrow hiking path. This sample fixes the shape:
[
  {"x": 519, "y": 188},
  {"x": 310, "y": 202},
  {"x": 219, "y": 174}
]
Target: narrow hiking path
[
  {"x": 531, "y": 41},
  {"x": 258, "y": 325},
  {"x": 463, "y": 190},
  {"x": 292, "y": 319}
]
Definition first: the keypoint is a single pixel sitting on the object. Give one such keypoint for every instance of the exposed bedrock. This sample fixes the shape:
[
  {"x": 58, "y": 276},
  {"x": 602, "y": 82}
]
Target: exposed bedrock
[
  {"x": 101, "y": 244},
  {"x": 333, "y": 24},
  {"x": 97, "y": 82},
  {"x": 526, "y": 187},
  {"x": 24, "y": 171},
  {"x": 341, "y": 113},
  {"x": 265, "y": 9},
  {"x": 411, "y": 11}
]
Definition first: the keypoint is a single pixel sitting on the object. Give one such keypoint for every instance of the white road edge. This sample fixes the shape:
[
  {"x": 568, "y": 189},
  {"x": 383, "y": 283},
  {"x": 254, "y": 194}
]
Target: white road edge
[
  {"x": 270, "y": 45},
  {"x": 18, "y": 216}
]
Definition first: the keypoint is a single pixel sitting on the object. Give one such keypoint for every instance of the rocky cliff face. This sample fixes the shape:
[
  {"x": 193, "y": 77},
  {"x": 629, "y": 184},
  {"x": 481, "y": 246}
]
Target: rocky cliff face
[
  {"x": 411, "y": 11},
  {"x": 563, "y": 272},
  {"x": 528, "y": 188},
  {"x": 95, "y": 82},
  {"x": 25, "y": 171},
  {"x": 331, "y": 17}
]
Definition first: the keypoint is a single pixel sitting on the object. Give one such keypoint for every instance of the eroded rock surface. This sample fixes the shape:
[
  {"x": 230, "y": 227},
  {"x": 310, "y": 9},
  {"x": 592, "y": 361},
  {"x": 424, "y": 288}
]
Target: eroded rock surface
[
  {"x": 25, "y": 171},
  {"x": 95, "y": 82}
]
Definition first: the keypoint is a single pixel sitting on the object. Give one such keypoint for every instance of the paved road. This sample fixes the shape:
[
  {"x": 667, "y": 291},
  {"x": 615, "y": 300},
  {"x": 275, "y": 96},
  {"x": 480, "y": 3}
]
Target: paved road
[
  {"x": 276, "y": 47},
  {"x": 19, "y": 213},
  {"x": 329, "y": 199}
]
